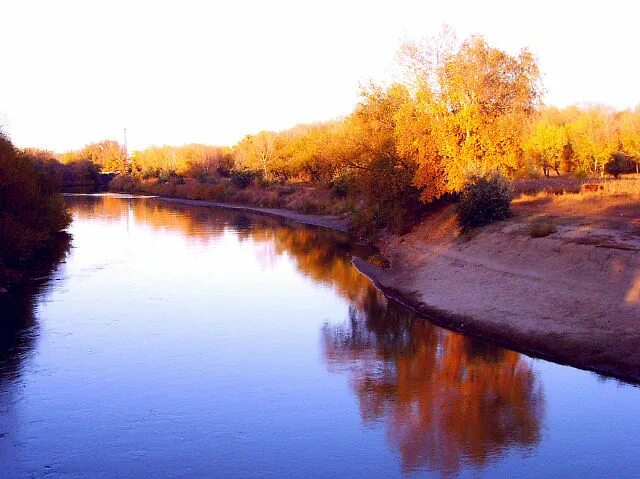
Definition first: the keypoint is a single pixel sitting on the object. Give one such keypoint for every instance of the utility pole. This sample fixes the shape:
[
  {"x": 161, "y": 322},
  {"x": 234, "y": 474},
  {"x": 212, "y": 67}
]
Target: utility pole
[{"x": 125, "y": 151}]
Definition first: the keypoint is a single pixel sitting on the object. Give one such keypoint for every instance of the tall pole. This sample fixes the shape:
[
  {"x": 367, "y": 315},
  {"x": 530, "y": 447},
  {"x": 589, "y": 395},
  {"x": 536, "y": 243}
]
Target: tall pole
[{"x": 125, "y": 150}]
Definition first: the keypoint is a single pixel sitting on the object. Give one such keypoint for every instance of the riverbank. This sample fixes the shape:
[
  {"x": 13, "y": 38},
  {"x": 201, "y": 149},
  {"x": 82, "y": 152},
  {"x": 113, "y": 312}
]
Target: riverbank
[{"x": 572, "y": 297}]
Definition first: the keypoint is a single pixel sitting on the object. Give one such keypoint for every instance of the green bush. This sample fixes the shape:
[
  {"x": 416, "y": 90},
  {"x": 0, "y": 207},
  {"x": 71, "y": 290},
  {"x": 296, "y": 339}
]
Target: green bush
[{"x": 483, "y": 200}]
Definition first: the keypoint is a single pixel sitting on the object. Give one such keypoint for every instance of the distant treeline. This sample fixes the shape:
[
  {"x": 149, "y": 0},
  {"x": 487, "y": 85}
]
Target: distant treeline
[
  {"x": 73, "y": 173},
  {"x": 461, "y": 110},
  {"x": 32, "y": 216}
]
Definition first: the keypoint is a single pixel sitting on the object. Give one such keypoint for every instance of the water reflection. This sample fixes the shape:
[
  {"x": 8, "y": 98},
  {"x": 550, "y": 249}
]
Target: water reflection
[
  {"x": 201, "y": 346},
  {"x": 447, "y": 401},
  {"x": 320, "y": 254},
  {"x": 18, "y": 325}
]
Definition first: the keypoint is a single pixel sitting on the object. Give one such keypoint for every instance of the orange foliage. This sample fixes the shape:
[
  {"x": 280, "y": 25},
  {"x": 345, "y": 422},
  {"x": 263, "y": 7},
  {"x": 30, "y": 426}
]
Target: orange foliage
[
  {"x": 447, "y": 400},
  {"x": 463, "y": 109}
]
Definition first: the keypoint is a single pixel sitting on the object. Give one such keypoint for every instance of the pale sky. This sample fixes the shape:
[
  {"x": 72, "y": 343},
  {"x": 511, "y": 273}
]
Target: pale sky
[{"x": 210, "y": 72}]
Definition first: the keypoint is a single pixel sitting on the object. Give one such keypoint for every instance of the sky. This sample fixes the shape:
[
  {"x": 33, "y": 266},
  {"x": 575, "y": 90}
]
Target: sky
[{"x": 213, "y": 71}]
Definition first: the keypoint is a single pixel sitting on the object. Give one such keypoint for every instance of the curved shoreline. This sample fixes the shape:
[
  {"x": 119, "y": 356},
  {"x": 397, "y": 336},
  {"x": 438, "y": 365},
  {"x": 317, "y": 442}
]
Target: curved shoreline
[
  {"x": 559, "y": 347},
  {"x": 503, "y": 337}
]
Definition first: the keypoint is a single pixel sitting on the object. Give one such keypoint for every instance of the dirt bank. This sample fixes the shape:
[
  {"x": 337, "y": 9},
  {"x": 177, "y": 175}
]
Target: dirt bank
[{"x": 572, "y": 297}]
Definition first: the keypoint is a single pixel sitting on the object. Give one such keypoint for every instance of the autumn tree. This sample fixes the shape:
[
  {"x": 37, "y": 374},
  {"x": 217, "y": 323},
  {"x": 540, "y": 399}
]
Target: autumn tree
[
  {"x": 310, "y": 151},
  {"x": 471, "y": 109},
  {"x": 593, "y": 138},
  {"x": 257, "y": 152},
  {"x": 382, "y": 174},
  {"x": 629, "y": 122},
  {"x": 155, "y": 161},
  {"x": 108, "y": 155},
  {"x": 196, "y": 160},
  {"x": 547, "y": 144},
  {"x": 31, "y": 212}
]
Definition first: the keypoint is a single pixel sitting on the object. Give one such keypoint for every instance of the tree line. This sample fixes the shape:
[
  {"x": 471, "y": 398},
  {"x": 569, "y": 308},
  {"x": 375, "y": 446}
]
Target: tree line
[
  {"x": 458, "y": 110},
  {"x": 32, "y": 216}
]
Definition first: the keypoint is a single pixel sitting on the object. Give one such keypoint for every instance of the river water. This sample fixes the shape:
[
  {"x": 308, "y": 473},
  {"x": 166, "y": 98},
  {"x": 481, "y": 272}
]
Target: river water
[{"x": 181, "y": 341}]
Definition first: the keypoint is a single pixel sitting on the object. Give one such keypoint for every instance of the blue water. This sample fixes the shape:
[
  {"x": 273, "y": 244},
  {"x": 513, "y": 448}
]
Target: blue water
[{"x": 178, "y": 341}]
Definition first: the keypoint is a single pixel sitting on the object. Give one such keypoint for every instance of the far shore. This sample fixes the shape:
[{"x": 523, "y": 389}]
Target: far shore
[
  {"x": 331, "y": 222},
  {"x": 572, "y": 297}
]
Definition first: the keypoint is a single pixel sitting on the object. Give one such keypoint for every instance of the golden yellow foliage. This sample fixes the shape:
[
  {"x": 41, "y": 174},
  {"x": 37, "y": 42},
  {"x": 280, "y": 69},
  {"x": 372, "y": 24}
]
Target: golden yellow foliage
[{"x": 471, "y": 109}]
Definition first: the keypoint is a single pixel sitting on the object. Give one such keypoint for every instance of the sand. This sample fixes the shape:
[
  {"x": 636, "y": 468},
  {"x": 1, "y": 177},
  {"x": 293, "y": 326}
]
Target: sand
[{"x": 572, "y": 297}]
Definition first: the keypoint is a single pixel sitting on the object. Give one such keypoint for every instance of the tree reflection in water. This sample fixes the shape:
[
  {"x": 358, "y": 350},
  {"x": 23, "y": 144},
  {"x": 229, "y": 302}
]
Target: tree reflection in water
[
  {"x": 447, "y": 400},
  {"x": 18, "y": 326}
]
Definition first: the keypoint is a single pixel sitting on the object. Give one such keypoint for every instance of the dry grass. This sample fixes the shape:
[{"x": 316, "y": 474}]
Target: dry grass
[
  {"x": 554, "y": 185},
  {"x": 297, "y": 197},
  {"x": 619, "y": 198}
]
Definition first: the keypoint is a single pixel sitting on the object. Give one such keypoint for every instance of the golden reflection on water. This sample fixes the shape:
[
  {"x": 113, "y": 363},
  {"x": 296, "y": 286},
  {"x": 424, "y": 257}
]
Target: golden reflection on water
[{"x": 446, "y": 401}]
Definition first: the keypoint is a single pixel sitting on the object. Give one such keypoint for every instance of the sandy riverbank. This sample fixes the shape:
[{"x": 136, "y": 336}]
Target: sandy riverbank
[{"x": 571, "y": 297}]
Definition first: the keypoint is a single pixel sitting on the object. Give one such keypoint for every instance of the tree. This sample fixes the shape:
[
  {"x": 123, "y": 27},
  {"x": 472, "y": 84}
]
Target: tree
[
  {"x": 31, "y": 211},
  {"x": 382, "y": 174},
  {"x": 257, "y": 152},
  {"x": 309, "y": 151},
  {"x": 630, "y": 135},
  {"x": 593, "y": 138},
  {"x": 547, "y": 143},
  {"x": 617, "y": 164},
  {"x": 471, "y": 108}
]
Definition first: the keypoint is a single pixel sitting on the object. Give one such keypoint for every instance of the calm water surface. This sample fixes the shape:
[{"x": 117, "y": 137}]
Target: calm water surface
[{"x": 178, "y": 341}]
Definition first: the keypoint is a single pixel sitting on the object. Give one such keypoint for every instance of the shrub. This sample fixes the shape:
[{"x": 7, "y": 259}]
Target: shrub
[
  {"x": 224, "y": 167},
  {"x": 309, "y": 206},
  {"x": 340, "y": 184},
  {"x": 483, "y": 200},
  {"x": 581, "y": 173},
  {"x": 617, "y": 165},
  {"x": 192, "y": 190},
  {"x": 124, "y": 184},
  {"x": 541, "y": 228},
  {"x": 366, "y": 222},
  {"x": 218, "y": 192},
  {"x": 241, "y": 179}
]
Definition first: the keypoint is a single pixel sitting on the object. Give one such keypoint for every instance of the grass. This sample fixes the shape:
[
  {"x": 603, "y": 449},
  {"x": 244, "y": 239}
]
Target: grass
[
  {"x": 299, "y": 197},
  {"x": 554, "y": 185},
  {"x": 619, "y": 198}
]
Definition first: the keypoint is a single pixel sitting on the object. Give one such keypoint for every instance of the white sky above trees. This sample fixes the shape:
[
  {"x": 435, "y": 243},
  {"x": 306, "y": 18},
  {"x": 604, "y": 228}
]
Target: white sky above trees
[{"x": 212, "y": 71}]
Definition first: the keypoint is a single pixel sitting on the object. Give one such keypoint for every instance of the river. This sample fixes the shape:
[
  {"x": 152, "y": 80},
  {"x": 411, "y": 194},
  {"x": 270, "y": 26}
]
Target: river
[{"x": 182, "y": 341}]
